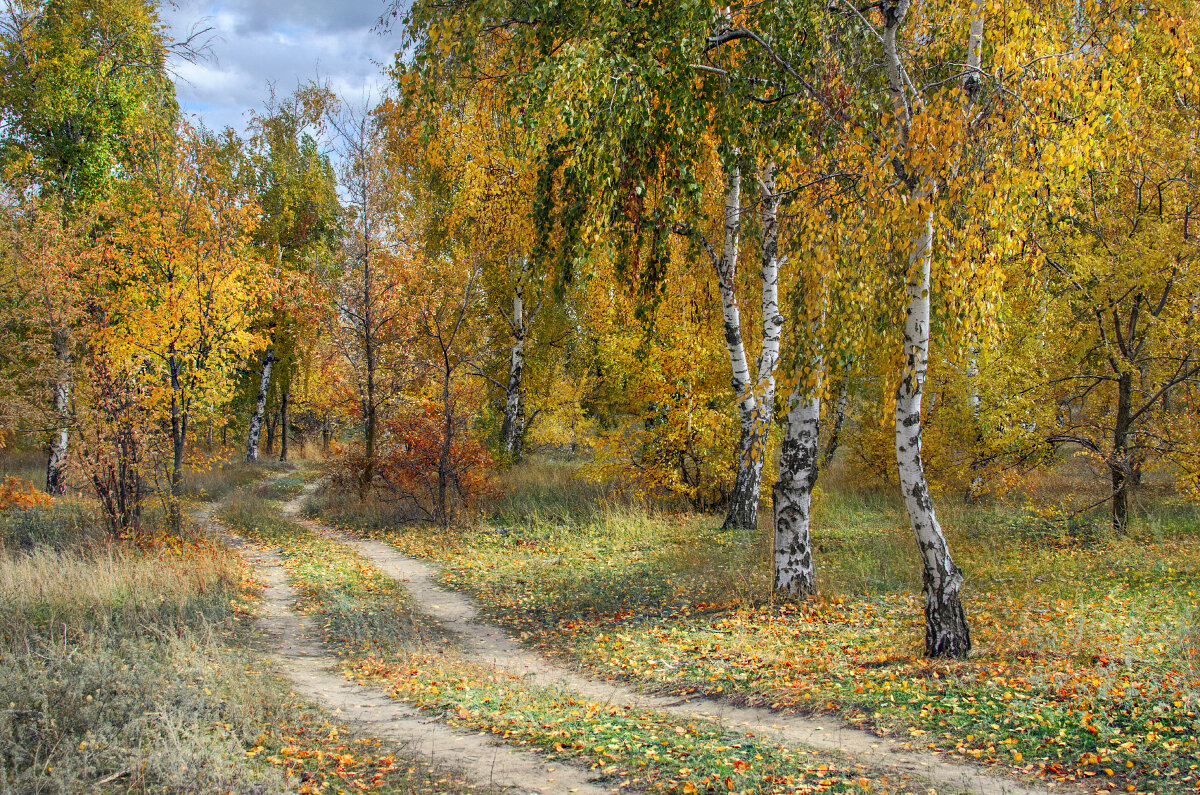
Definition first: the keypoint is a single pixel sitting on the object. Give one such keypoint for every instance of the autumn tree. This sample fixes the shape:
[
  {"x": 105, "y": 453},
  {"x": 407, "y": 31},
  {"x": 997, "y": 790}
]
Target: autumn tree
[
  {"x": 472, "y": 170},
  {"x": 296, "y": 189},
  {"x": 1118, "y": 267},
  {"x": 79, "y": 77},
  {"x": 185, "y": 278},
  {"x": 370, "y": 318}
]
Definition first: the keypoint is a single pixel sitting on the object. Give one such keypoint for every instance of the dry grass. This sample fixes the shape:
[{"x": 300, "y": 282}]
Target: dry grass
[{"x": 132, "y": 667}]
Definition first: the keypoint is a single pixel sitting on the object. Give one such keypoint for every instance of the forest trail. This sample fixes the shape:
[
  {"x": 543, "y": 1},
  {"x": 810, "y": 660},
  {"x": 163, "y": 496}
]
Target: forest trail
[
  {"x": 489, "y": 644},
  {"x": 314, "y": 672}
]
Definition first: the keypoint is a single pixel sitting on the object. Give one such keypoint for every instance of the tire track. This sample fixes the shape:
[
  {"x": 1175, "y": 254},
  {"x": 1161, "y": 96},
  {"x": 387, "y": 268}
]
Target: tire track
[{"x": 488, "y": 643}]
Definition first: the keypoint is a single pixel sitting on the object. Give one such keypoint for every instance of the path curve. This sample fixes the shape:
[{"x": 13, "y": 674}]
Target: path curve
[
  {"x": 313, "y": 670},
  {"x": 488, "y": 643}
]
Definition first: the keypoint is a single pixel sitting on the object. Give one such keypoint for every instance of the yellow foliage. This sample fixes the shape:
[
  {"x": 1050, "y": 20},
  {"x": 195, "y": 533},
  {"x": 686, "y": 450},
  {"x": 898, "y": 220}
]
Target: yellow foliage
[{"x": 19, "y": 493}]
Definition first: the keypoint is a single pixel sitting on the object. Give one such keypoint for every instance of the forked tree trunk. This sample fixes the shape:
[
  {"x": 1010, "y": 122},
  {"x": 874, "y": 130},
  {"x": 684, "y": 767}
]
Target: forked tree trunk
[
  {"x": 56, "y": 462},
  {"x": 260, "y": 407},
  {"x": 512, "y": 429},
  {"x": 795, "y": 572},
  {"x": 756, "y": 399},
  {"x": 946, "y": 633}
]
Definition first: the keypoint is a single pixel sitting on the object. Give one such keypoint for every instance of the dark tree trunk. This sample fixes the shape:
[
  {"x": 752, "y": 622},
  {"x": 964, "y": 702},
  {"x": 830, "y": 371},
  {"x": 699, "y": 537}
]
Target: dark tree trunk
[
  {"x": 367, "y": 476},
  {"x": 283, "y": 423},
  {"x": 179, "y": 429},
  {"x": 1120, "y": 465},
  {"x": 839, "y": 419}
]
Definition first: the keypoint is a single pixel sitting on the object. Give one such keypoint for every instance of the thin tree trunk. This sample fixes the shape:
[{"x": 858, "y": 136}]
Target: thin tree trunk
[
  {"x": 56, "y": 463},
  {"x": 367, "y": 477},
  {"x": 260, "y": 407},
  {"x": 839, "y": 419},
  {"x": 179, "y": 429},
  {"x": 743, "y": 502},
  {"x": 512, "y": 429},
  {"x": 443, "y": 507},
  {"x": 1120, "y": 455},
  {"x": 976, "y": 484},
  {"x": 283, "y": 422},
  {"x": 326, "y": 433},
  {"x": 795, "y": 572},
  {"x": 946, "y": 633}
]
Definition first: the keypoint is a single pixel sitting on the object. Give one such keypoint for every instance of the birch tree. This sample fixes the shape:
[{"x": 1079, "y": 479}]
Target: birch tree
[
  {"x": 296, "y": 188},
  {"x": 472, "y": 170}
]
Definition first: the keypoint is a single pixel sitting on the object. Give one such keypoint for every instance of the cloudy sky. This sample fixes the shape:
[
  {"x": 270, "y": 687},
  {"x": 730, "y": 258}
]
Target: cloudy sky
[{"x": 285, "y": 42}]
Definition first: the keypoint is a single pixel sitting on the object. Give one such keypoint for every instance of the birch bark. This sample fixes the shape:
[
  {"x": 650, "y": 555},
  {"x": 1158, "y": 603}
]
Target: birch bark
[
  {"x": 56, "y": 463},
  {"x": 260, "y": 408},
  {"x": 839, "y": 419},
  {"x": 946, "y": 632},
  {"x": 512, "y": 428},
  {"x": 756, "y": 398},
  {"x": 795, "y": 572}
]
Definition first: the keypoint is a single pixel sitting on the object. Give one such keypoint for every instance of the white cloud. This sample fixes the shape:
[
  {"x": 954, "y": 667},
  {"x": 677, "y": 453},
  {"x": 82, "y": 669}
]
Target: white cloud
[{"x": 278, "y": 42}]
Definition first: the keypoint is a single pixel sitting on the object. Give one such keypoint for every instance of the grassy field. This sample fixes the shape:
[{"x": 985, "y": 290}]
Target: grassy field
[
  {"x": 1087, "y": 646},
  {"x": 133, "y": 667},
  {"x": 371, "y": 621}
]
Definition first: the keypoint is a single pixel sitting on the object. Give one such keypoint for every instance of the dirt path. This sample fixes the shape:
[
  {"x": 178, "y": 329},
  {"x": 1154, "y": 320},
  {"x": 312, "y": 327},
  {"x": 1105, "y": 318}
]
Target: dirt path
[
  {"x": 488, "y": 643},
  {"x": 314, "y": 672}
]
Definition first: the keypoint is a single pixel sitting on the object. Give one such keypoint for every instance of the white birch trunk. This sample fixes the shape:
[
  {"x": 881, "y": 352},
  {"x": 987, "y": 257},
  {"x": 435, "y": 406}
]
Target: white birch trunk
[
  {"x": 946, "y": 633},
  {"x": 743, "y": 503},
  {"x": 756, "y": 401},
  {"x": 56, "y": 464},
  {"x": 795, "y": 572},
  {"x": 260, "y": 408},
  {"x": 512, "y": 428}
]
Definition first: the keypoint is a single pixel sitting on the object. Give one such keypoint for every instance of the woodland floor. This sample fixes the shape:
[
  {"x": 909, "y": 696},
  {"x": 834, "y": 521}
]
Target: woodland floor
[
  {"x": 1086, "y": 670},
  {"x": 570, "y": 645}
]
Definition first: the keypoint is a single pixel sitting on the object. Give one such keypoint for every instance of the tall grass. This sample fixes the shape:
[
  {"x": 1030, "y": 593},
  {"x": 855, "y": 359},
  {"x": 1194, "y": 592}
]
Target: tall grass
[{"x": 116, "y": 670}]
